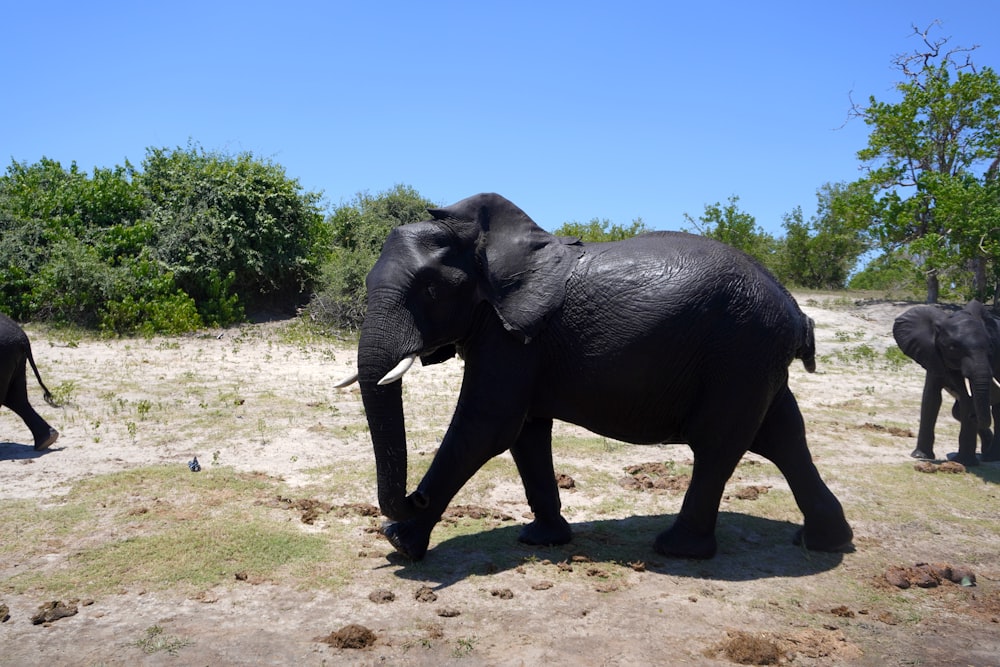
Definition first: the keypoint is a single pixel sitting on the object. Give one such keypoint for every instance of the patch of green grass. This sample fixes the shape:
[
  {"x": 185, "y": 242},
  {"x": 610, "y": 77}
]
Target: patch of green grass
[
  {"x": 154, "y": 641},
  {"x": 159, "y": 528}
]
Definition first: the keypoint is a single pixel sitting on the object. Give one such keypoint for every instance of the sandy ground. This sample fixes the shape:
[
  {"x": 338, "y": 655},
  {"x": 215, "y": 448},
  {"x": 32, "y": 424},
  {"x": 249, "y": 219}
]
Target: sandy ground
[{"x": 496, "y": 606}]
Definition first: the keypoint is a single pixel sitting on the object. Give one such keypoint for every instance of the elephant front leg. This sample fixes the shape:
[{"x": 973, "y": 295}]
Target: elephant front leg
[
  {"x": 967, "y": 437},
  {"x": 532, "y": 453},
  {"x": 473, "y": 438},
  {"x": 930, "y": 406}
]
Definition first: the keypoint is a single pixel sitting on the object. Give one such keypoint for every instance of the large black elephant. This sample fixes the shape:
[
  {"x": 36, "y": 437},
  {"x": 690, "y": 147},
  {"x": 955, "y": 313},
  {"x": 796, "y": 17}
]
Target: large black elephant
[
  {"x": 662, "y": 338},
  {"x": 961, "y": 353},
  {"x": 15, "y": 353}
]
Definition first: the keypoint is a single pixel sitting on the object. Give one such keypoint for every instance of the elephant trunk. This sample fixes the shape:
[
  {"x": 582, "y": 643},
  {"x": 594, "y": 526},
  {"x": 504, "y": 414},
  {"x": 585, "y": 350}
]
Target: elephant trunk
[
  {"x": 981, "y": 384},
  {"x": 380, "y": 348}
]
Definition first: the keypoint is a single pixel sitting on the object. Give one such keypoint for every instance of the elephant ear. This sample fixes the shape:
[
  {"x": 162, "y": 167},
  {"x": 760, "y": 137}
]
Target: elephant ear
[
  {"x": 915, "y": 332},
  {"x": 524, "y": 268}
]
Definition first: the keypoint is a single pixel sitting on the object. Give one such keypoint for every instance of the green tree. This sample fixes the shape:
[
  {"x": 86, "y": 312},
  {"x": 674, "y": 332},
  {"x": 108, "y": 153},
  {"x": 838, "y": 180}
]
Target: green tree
[
  {"x": 357, "y": 230},
  {"x": 929, "y": 158},
  {"x": 821, "y": 253},
  {"x": 735, "y": 227},
  {"x": 600, "y": 230}
]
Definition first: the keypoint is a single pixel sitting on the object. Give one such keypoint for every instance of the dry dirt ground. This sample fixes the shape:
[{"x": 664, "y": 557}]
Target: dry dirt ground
[{"x": 479, "y": 597}]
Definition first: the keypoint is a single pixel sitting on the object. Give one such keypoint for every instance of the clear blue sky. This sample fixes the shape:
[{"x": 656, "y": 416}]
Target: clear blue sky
[{"x": 573, "y": 110}]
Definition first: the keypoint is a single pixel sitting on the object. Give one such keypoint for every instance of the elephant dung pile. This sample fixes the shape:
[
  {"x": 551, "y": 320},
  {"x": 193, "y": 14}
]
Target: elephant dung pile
[{"x": 929, "y": 575}]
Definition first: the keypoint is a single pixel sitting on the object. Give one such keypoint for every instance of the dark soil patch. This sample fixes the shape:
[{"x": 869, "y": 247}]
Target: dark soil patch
[
  {"x": 945, "y": 466},
  {"x": 749, "y": 492},
  {"x": 350, "y": 636},
  {"x": 475, "y": 512},
  {"x": 929, "y": 575},
  {"x": 891, "y": 430},
  {"x": 656, "y": 477},
  {"x": 765, "y": 648},
  {"x": 745, "y": 648}
]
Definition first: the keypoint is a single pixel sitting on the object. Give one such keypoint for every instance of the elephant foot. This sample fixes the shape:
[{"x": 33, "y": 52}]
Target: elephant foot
[
  {"x": 833, "y": 536},
  {"x": 968, "y": 460},
  {"x": 546, "y": 533},
  {"x": 991, "y": 454},
  {"x": 680, "y": 542},
  {"x": 921, "y": 454},
  {"x": 47, "y": 441},
  {"x": 407, "y": 537}
]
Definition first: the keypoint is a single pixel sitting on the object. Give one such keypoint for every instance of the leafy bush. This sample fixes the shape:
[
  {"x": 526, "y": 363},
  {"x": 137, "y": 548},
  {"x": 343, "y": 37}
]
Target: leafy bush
[
  {"x": 191, "y": 240},
  {"x": 357, "y": 231},
  {"x": 218, "y": 215}
]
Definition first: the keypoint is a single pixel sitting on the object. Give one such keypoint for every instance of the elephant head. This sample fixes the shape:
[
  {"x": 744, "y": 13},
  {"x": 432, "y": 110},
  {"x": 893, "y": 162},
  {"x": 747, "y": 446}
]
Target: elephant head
[
  {"x": 433, "y": 283},
  {"x": 962, "y": 349}
]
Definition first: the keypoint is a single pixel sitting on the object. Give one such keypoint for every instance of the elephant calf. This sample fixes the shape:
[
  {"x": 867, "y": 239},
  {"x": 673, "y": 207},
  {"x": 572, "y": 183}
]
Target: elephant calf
[
  {"x": 961, "y": 354},
  {"x": 662, "y": 338},
  {"x": 15, "y": 352}
]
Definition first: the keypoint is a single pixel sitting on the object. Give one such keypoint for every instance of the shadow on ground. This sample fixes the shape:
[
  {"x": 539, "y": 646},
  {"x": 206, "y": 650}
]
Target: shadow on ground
[
  {"x": 750, "y": 548},
  {"x": 14, "y": 451}
]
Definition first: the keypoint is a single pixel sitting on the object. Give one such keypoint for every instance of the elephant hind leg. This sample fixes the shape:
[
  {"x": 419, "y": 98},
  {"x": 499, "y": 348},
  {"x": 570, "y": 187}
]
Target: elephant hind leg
[
  {"x": 532, "y": 453},
  {"x": 16, "y": 399},
  {"x": 782, "y": 439},
  {"x": 692, "y": 534}
]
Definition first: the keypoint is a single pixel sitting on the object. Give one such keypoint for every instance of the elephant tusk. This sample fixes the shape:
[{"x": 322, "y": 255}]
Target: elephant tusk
[
  {"x": 399, "y": 371},
  {"x": 347, "y": 381},
  {"x": 996, "y": 382},
  {"x": 968, "y": 386}
]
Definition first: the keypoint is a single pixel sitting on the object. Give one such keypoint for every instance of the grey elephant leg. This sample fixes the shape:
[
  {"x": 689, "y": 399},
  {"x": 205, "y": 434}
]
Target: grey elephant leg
[
  {"x": 473, "y": 438},
  {"x": 782, "y": 439},
  {"x": 17, "y": 400},
  {"x": 692, "y": 534},
  {"x": 930, "y": 405},
  {"x": 532, "y": 453},
  {"x": 968, "y": 435}
]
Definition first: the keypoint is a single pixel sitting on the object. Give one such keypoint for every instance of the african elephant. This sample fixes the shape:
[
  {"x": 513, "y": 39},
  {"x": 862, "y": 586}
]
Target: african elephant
[
  {"x": 662, "y": 338},
  {"x": 15, "y": 350},
  {"x": 961, "y": 354}
]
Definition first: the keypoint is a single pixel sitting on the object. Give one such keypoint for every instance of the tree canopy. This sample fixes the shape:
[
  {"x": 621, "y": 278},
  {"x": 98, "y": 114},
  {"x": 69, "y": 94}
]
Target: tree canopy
[{"x": 932, "y": 159}]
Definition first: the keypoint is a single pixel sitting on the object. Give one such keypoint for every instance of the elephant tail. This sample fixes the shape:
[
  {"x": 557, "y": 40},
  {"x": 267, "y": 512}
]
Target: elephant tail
[
  {"x": 807, "y": 346},
  {"x": 47, "y": 395}
]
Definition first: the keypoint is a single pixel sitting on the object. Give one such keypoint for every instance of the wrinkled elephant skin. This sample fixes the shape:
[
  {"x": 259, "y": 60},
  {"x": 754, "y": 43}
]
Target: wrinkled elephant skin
[{"x": 662, "y": 338}]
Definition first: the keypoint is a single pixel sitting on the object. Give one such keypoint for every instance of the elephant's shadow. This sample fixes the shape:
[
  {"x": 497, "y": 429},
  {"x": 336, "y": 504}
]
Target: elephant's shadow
[
  {"x": 15, "y": 451},
  {"x": 749, "y": 548},
  {"x": 987, "y": 472}
]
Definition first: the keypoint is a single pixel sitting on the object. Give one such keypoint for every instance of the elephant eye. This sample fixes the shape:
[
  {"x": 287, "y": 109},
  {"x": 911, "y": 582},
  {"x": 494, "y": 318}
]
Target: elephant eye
[{"x": 430, "y": 291}]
